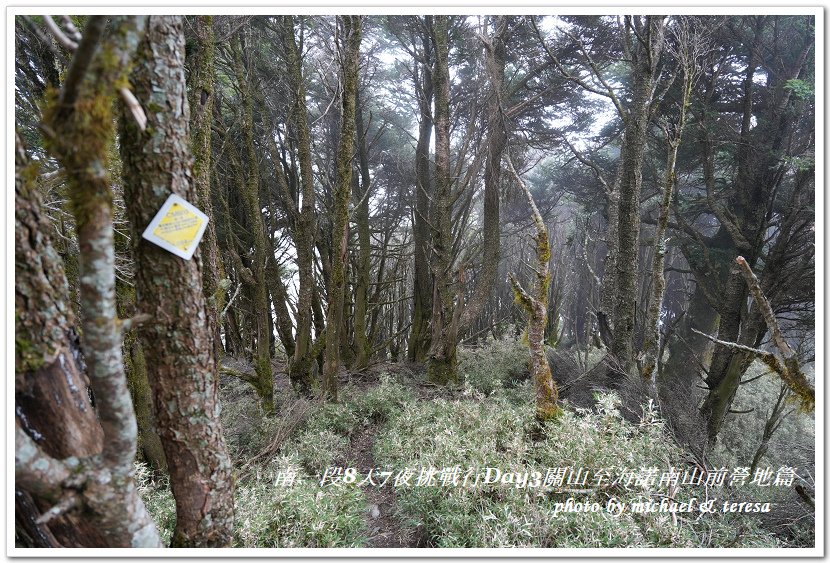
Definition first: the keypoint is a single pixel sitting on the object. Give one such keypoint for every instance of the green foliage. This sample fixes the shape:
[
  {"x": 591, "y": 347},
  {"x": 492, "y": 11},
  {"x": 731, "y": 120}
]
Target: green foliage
[
  {"x": 502, "y": 433},
  {"x": 269, "y": 513},
  {"x": 793, "y": 444},
  {"x": 380, "y": 402},
  {"x": 490, "y": 424},
  {"x": 318, "y": 449},
  {"x": 499, "y": 364},
  {"x": 801, "y": 89}
]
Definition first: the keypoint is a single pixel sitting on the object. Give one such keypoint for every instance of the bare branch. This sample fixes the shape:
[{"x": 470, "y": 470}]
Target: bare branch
[
  {"x": 230, "y": 302},
  {"x": 73, "y": 32},
  {"x": 790, "y": 371},
  {"x": 134, "y": 107},
  {"x": 83, "y": 58},
  {"x": 69, "y": 502},
  {"x": 53, "y": 28}
]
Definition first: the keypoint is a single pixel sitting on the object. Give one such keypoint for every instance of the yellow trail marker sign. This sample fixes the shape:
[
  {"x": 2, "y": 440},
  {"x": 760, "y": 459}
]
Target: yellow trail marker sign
[{"x": 177, "y": 227}]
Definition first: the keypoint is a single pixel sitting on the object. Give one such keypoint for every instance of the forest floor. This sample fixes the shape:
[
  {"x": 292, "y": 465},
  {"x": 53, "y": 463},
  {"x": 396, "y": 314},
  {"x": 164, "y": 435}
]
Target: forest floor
[
  {"x": 389, "y": 417},
  {"x": 385, "y": 524}
]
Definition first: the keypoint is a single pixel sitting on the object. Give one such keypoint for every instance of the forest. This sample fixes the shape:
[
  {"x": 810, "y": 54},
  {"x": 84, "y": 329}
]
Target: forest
[{"x": 415, "y": 281}]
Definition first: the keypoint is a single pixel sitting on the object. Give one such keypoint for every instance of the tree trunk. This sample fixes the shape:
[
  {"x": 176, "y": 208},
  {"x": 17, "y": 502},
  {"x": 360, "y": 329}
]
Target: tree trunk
[
  {"x": 51, "y": 400},
  {"x": 361, "y": 217},
  {"x": 644, "y": 75},
  {"x": 340, "y": 219},
  {"x": 442, "y": 361},
  {"x": 419, "y": 336},
  {"x": 80, "y": 128},
  {"x": 305, "y": 225},
  {"x": 494, "y": 51},
  {"x": 178, "y": 342},
  {"x": 536, "y": 307},
  {"x": 200, "y": 100},
  {"x": 253, "y": 208},
  {"x": 149, "y": 442},
  {"x": 651, "y": 342}
]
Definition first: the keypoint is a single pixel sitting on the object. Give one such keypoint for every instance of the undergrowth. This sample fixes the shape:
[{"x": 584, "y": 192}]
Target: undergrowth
[
  {"x": 280, "y": 503},
  {"x": 499, "y": 364},
  {"x": 488, "y": 424},
  {"x": 497, "y": 432}
]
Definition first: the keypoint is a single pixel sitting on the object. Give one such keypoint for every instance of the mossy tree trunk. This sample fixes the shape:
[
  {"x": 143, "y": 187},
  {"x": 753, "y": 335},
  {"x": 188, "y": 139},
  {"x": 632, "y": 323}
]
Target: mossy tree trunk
[
  {"x": 645, "y": 58},
  {"x": 442, "y": 366},
  {"x": 178, "y": 341},
  {"x": 304, "y": 224},
  {"x": 536, "y": 307},
  {"x": 150, "y": 449},
  {"x": 419, "y": 335},
  {"x": 79, "y": 127},
  {"x": 255, "y": 277},
  {"x": 200, "y": 100},
  {"x": 340, "y": 219},
  {"x": 149, "y": 442}
]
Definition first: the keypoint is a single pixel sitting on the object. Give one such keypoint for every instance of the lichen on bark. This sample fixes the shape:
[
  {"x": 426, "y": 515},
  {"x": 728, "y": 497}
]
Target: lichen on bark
[{"x": 178, "y": 341}]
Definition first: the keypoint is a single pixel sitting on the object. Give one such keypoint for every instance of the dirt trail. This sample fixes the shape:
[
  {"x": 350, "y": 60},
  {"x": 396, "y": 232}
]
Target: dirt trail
[{"x": 383, "y": 525}]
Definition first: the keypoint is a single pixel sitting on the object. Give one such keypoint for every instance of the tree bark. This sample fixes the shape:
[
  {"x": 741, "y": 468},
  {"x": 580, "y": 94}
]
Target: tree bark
[
  {"x": 51, "y": 401},
  {"x": 442, "y": 367},
  {"x": 200, "y": 100},
  {"x": 179, "y": 341},
  {"x": 305, "y": 225},
  {"x": 363, "y": 275},
  {"x": 79, "y": 125},
  {"x": 419, "y": 336},
  {"x": 495, "y": 53},
  {"x": 651, "y": 342},
  {"x": 149, "y": 442},
  {"x": 536, "y": 307},
  {"x": 253, "y": 208},
  {"x": 644, "y": 75},
  {"x": 340, "y": 219}
]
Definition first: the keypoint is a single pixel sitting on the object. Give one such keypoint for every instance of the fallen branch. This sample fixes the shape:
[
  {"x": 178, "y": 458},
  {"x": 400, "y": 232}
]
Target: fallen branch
[
  {"x": 247, "y": 378},
  {"x": 791, "y": 372}
]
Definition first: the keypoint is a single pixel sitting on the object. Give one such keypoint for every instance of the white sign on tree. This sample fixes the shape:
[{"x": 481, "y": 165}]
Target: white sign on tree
[{"x": 177, "y": 227}]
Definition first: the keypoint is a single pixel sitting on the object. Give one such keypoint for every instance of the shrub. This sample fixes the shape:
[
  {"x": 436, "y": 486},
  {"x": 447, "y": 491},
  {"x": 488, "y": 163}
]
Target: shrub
[{"x": 500, "y": 364}]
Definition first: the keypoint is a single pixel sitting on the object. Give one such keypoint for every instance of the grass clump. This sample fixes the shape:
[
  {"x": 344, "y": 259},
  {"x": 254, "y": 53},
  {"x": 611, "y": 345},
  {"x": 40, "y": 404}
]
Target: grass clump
[
  {"x": 500, "y": 432},
  {"x": 499, "y": 364},
  {"x": 270, "y": 513},
  {"x": 274, "y": 509},
  {"x": 155, "y": 492}
]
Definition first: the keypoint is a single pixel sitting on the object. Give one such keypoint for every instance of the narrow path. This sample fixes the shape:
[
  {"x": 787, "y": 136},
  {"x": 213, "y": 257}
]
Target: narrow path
[{"x": 383, "y": 525}]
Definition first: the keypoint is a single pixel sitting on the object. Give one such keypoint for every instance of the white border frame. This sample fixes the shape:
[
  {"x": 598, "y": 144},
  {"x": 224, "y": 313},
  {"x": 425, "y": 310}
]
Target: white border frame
[{"x": 376, "y": 7}]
